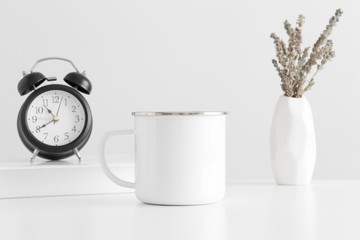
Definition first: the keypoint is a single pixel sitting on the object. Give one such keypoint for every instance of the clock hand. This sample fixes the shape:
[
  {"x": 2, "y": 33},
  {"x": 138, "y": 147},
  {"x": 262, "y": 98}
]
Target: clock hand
[
  {"x": 44, "y": 125},
  {"x": 49, "y": 111},
  {"x": 56, "y": 117},
  {"x": 57, "y": 113}
]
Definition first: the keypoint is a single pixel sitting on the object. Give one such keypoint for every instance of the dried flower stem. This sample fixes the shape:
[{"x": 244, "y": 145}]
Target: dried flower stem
[{"x": 294, "y": 65}]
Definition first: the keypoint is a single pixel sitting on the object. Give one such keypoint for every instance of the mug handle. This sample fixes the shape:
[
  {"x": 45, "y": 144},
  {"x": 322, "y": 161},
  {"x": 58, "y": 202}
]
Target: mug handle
[{"x": 103, "y": 163}]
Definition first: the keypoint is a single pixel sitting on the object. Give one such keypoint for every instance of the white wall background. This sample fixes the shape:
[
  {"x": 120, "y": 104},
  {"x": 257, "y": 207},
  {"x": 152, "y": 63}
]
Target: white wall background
[{"x": 187, "y": 55}]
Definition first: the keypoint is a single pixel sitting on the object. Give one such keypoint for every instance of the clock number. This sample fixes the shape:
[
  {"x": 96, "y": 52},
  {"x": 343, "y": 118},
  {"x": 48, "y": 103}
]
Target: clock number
[
  {"x": 55, "y": 99},
  {"x": 77, "y": 118},
  {"x": 66, "y": 136},
  {"x": 73, "y": 108},
  {"x": 65, "y": 102},
  {"x": 39, "y": 110},
  {"x": 46, "y": 102},
  {"x": 37, "y": 129},
  {"x": 73, "y": 129},
  {"x": 56, "y": 138},
  {"x": 45, "y": 134},
  {"x": 34, "y": 119}
]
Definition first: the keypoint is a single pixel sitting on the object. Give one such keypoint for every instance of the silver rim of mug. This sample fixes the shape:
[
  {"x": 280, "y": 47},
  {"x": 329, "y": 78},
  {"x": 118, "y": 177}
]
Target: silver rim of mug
[{"x": 193, "y": 113}]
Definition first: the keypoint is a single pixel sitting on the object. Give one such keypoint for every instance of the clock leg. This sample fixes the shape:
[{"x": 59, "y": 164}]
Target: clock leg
[
  {"x": 35, "y": 153},
  {"x": 78, "y": 155}
]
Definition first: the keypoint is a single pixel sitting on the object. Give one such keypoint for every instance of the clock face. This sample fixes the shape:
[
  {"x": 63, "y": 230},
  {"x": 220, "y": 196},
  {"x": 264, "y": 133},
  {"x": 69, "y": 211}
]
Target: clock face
[{"x": 56, "y": 117}]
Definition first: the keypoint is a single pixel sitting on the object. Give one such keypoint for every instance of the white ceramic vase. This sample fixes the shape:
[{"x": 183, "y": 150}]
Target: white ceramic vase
[{"x": 292, "y": 142}]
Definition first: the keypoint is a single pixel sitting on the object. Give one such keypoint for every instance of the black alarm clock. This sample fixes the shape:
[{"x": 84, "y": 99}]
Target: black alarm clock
[{"x": 55, "y": 121}]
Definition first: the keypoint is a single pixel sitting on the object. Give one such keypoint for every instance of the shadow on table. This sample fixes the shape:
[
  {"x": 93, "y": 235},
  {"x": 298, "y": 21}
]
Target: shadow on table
[{"x": 181, "y": 222}]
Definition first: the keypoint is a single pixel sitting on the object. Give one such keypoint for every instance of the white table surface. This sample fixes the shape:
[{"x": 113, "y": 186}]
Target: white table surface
[{"x": 251, "y": 210}]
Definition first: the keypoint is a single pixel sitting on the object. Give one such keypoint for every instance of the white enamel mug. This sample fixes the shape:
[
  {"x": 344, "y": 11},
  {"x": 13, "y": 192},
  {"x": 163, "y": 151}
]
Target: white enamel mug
[{"x": 179, "y": 157}]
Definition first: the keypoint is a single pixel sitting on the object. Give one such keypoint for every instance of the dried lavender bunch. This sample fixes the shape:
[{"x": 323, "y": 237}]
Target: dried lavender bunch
[{"x": 294, "y": 64}]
